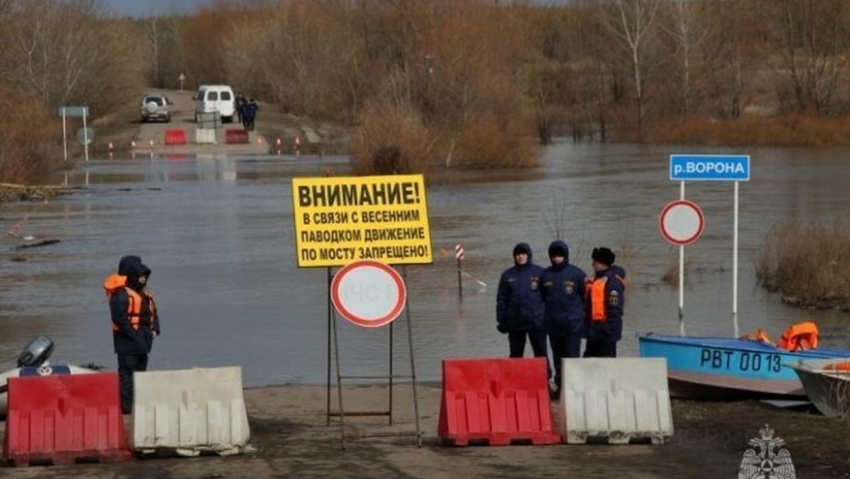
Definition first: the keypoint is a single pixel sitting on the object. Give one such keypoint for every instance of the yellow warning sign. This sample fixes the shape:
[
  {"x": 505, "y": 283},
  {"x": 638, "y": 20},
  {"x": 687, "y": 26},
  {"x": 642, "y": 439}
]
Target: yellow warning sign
[{"x": 346, "y": 219}]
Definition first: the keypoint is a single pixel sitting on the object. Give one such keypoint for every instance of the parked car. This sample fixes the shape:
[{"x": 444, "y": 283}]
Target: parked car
[
  {"x": 215, "y": 98},
  {"x": 155, "y": 107}
]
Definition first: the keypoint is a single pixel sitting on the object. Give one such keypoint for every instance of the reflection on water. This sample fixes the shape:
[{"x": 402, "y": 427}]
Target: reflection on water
[{"x": 217, "y": 233}]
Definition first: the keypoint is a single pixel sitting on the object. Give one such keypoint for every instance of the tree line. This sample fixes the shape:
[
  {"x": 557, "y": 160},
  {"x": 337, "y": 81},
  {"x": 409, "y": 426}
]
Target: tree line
[{"x": 463, "y": 83}]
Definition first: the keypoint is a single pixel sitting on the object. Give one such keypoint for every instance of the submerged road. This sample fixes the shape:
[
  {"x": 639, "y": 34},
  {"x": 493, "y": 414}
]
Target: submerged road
[{"x": 183, "y": 117}]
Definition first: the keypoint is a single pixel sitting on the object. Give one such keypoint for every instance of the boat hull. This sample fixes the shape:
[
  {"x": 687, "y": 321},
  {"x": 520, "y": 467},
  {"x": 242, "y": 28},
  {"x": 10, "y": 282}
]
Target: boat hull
[
  {"x": 729, "y": 369},
  {"x": 829, "y": 391}
]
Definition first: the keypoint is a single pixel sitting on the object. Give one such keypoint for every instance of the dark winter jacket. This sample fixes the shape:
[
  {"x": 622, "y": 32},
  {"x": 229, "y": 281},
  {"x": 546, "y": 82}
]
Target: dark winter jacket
[
  {"x": 128, "y": 340},
  {"x": 615, "y": 299},
  {"x": 519, "y": 306},
  {"x": 563, "y": 293}
]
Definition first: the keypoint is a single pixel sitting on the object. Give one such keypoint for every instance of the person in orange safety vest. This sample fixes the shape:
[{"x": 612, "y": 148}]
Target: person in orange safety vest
[
  {"x": 605, "y": 299},
  {"x": 135, "y": 322}
]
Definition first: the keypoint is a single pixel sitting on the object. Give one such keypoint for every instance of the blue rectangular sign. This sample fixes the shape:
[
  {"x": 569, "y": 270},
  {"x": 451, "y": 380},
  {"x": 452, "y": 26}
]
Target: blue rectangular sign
[{"x": 710, "y": 167}]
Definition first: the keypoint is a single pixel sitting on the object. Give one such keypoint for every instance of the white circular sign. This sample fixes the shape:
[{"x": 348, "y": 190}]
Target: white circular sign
[
  {"x": 682, "y": 222},
  {"x": 368, "y": 293}
]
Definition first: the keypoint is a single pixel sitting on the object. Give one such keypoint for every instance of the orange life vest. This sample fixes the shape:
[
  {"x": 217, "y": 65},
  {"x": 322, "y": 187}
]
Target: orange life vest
[
  {"x": 134, "y": 310},
  {"x": 759, "y": 336},
  {"x": 596, "y": 298},
  {"x": 113, "y": 283},
  {"x": 799, "y": 337}
]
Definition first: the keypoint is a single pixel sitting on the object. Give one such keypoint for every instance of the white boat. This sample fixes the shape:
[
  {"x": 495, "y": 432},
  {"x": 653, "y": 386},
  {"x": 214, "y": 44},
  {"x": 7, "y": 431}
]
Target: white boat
[
  {"x": 33, "y": 362},
  {"x": 827, "y": 383}
]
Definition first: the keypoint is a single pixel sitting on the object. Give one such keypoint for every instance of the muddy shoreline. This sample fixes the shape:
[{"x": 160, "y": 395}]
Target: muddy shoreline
[{"x": 291, "y": 435}]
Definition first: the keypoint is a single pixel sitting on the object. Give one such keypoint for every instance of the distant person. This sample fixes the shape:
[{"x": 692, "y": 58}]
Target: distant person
[
  {"x": 563, "y": 294},
  {"x": 135, "y": 324},
  {"x": 238, "y": 105},
  {"x": 250, "y": 114},
  {"x": 605, "y": 302},
  {"x": 519, "y": 306}
]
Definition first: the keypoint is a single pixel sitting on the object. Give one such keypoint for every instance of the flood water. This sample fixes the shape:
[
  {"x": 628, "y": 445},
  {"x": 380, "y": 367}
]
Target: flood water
[{"x": 218, "y": 235}]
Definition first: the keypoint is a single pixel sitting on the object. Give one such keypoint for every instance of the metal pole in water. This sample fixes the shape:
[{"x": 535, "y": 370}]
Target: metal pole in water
[
  {"x": 459, "y": 277},
  {"x": 85, "y": 134},
  {"x": 64, "y": 134},
  {"x": 682, "y": 276},
  {"x": 735, "y": 265}
]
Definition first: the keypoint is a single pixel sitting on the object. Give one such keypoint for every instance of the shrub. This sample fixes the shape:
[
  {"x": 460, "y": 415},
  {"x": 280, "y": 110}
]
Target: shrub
[
  {"x": 29, "y": 140},
  {"x": 391, "y": 139},
  {"x": 808, "y": 263}
]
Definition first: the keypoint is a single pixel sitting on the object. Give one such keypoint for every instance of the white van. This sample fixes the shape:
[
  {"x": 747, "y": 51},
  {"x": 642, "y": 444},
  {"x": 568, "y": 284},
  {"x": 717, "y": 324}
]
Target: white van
[{"x": 212, "y": 98}]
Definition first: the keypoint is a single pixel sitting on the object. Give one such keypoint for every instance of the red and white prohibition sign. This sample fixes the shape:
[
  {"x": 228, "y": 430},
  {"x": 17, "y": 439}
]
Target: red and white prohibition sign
[
  {"x": 368, "y": 294},
  {"x": 681, "y": 222}
]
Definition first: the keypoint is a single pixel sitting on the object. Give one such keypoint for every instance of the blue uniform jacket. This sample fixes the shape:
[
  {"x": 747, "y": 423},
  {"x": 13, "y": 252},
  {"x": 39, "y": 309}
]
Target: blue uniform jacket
[
  {"x": 519, "y": 306},
  {"x": 615, "y": 300},
  {"x": 563, "y": 293}
]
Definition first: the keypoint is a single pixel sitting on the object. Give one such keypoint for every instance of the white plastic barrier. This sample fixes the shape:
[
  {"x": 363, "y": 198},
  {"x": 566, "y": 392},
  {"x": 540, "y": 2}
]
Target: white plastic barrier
[
  {"x": 205, "y": 136},
  {"x": 190, "y": 411},
  {"x": 615, "y": 399}
]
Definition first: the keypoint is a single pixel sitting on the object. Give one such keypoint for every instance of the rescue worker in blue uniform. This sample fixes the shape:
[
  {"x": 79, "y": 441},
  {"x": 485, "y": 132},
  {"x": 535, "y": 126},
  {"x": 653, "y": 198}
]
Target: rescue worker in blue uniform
[
  {"x": 135, "y": 324},
  {"x": 519, "y": 307},
  {"x": 563, "y": 293},
  {"x": 605, "y": 301}
]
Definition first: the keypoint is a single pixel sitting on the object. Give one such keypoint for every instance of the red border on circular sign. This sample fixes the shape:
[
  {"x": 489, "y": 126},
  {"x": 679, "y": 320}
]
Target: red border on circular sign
[
  {"x": 351, "y": 317},
  {"x": 693, "y": 239}
]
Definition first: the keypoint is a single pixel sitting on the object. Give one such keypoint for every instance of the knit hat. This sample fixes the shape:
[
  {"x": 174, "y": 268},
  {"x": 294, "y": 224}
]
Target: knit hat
[{"x": 603, "y": 255}]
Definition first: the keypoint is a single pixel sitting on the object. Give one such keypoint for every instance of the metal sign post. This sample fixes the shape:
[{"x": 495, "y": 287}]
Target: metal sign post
[
  {"x": 64, "y": 133},
  {"x": 74, "y": 112},
  {"x": 363, "y": 225},
  {"x": 85, "y": 136},
  {"x": 681, "y": 223},
  {"x": 682, "y": 273},
  {"x": 355, "y": 300},
  {"x": 734, "y": 168}
]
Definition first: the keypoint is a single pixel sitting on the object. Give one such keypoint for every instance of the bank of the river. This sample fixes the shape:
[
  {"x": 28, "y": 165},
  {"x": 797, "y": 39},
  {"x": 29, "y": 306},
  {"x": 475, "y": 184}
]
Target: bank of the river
[
  {"x": 289, "y": 429},
  {"x": 11, "y": 192}
]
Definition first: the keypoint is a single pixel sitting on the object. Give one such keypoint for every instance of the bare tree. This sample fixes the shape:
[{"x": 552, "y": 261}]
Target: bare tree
[
  {"x": 811, "y": 38},
  {"x": 632, "y": 24},
  {"x": 685, "y": 29}
]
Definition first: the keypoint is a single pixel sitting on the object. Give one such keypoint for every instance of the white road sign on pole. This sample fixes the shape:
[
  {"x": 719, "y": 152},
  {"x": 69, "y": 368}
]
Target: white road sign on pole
[
  {"x": 735, "y": 168},
  {"x": 681, "y": 223},
  {"x": 368, "y": 294}
]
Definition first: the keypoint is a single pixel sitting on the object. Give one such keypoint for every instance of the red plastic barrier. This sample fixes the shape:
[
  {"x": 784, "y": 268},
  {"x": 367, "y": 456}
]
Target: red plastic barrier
[
  {"x": 175, "y": 136},
  {"x": 235, "y": 137},
  {"x": 60, "y": 419},
  {"x": 496, "y": 401}
]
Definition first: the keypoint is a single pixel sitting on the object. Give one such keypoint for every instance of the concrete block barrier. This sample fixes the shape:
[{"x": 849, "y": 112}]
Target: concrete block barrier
[
  {"x": 496, "y": 402},
  {"x": 236, "y": 137},
  {"x": 175, "y": 136},
  {"x": 615, "y": 400},
  {"x": 63, "y": 419},
  {"x": 190, "y": 411},
  {"x": 205, "y": 136}
]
